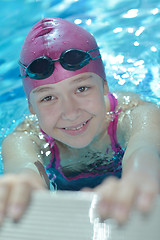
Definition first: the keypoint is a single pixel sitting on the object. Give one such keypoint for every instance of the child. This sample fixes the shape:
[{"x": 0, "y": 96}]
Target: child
[{"x": 80, "y": 135}]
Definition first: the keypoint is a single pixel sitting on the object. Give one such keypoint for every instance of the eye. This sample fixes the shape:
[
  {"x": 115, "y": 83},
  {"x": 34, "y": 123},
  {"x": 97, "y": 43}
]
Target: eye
[
  {"x": 48, "y": 98},
  {"x": 82, "y": 89}
]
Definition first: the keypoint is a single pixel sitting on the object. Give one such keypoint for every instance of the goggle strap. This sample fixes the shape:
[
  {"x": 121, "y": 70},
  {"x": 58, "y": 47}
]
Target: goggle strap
[
  {"x": 21, "y": 64},
  {"x": 56, "y": 60},
  {"x": 22, "y": 76},
  {"x": 95, "y": 49},
  {"x": 96, "y": 57}
]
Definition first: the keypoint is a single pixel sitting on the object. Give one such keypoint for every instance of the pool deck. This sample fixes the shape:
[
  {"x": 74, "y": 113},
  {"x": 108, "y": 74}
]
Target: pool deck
[{"x": 71, "y": 216}]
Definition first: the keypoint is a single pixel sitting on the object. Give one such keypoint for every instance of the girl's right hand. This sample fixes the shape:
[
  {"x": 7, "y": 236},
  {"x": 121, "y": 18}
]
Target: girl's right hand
[{"x": 15, "y": 193}]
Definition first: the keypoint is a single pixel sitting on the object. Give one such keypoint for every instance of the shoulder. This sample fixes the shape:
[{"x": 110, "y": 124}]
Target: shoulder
[
  {"x": 135, "y": 102},
  {"x": 135, "y": 105},
  {"x": 134, "y": 112},
  {"x": 29, "y": 130},
  {"x": 127, "y": 104},
  {"x": 147, "y": 114},
  {"x": 127, "y": 100},
  {"x": 24, "y": 144}
]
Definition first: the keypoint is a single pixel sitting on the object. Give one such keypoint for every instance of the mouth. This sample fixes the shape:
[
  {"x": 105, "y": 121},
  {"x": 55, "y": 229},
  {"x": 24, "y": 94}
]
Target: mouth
[{"x": 77, "y": 129}]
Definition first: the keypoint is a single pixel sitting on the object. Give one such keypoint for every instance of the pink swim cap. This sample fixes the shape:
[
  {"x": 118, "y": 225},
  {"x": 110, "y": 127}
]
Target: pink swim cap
[{"x": 50, "y": 37}]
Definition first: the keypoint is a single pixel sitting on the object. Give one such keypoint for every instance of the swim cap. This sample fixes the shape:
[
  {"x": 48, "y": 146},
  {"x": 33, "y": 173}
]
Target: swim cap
[{"x": 50, "y": 37}]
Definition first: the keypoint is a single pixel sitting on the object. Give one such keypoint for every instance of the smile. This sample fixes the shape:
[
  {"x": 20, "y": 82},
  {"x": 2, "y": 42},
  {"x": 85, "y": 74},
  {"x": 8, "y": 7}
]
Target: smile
[{"x": 77, "y": 129}]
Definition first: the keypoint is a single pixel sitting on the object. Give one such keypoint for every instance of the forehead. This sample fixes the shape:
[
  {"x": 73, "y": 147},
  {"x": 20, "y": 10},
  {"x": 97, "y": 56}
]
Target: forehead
[{"x": 80, "y": 78}]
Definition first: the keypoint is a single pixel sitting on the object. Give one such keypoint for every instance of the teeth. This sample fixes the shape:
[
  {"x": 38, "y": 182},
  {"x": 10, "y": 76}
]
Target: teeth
[{"x": 76, "y": 128}]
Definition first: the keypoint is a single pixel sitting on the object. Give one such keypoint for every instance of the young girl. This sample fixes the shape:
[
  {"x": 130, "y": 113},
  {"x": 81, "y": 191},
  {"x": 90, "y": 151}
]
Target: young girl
[{"x": 79, "y": 136}]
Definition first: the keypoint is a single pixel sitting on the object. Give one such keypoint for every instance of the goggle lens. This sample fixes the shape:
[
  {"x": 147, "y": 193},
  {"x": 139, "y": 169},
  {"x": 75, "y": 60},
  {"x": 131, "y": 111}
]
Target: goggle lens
[
  {"x": 40, "y": 68},
  {"x": 75, "y": 59}
]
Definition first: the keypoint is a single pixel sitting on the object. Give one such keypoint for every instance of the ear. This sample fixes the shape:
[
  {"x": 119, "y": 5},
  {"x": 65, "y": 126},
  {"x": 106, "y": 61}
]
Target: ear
[
  {"x": 30, "y": 108},
  {"x": 106, "y": 88}
]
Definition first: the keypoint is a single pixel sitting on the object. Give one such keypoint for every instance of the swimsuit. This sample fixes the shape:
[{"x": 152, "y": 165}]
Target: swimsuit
[{"x": 97, "y": 172}]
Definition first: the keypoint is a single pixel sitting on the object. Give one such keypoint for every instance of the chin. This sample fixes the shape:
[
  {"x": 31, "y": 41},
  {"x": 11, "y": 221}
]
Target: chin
[
  {"x": 77, "y": 144},
  {"x": 77, "y": 147}
]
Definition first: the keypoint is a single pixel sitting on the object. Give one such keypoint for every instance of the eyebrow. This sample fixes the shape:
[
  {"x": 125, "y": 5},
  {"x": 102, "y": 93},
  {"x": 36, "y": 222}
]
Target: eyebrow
[
  {"x": 44, "y": 89},
  {"x": 82, "y": 79}
]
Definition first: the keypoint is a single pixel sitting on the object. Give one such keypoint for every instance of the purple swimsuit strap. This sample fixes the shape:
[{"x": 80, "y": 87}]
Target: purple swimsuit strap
[
  {"x": 53, "y": 148},
  {"x": 112, "y": 128}
]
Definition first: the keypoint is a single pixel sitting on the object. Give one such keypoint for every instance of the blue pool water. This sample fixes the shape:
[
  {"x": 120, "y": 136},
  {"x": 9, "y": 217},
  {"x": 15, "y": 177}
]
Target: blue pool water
[{"x": 127, "y": 32}]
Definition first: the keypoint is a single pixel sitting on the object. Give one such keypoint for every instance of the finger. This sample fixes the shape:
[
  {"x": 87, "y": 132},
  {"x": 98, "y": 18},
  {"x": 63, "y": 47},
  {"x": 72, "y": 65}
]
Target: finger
[
  {"x": 18, "y": 200},
  {"x": 146, "y": 197},
  {"x": 4, "y": 194},
  {"x": 33, "y": 179},
  {"x": 87, "y": 189},
  {"x": 106, "y": 191},
  {"x": 124, "y": 199}
]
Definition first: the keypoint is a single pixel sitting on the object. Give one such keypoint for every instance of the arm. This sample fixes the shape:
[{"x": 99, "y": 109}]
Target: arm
[
  {"x": 141, "y": 162},
  {"x": 141, "y": 167},
  {"x": 143, "y": 150},
  {"x": 20, "y": 152}
]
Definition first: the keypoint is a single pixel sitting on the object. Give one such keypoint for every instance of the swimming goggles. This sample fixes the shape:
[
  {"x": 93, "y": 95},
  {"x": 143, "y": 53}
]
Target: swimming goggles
[{"x": 71, "y": 59}]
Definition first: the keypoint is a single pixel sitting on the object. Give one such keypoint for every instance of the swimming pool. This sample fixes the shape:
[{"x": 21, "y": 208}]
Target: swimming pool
[{"x": 127, "y": 32}]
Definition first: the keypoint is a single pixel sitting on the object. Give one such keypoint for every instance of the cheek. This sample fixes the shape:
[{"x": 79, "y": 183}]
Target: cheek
[
  {"x": 96, "y": 105},
  {"x": 46, "y": 123},
  {"x": 47, "y": 116},
  {"x": 46, "y": 119}
]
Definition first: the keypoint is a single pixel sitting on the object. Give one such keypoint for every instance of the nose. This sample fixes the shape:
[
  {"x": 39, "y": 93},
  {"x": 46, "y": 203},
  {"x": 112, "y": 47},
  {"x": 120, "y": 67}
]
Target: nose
[{"x": 70, "y": 109}]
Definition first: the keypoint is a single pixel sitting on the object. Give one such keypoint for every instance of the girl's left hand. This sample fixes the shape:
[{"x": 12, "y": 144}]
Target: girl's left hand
[{"x": 119, "y": 196}]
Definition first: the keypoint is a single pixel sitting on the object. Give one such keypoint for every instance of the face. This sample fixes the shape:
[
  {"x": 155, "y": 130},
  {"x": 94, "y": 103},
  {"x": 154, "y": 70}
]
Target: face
[{"x": 71, "y": 111}]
